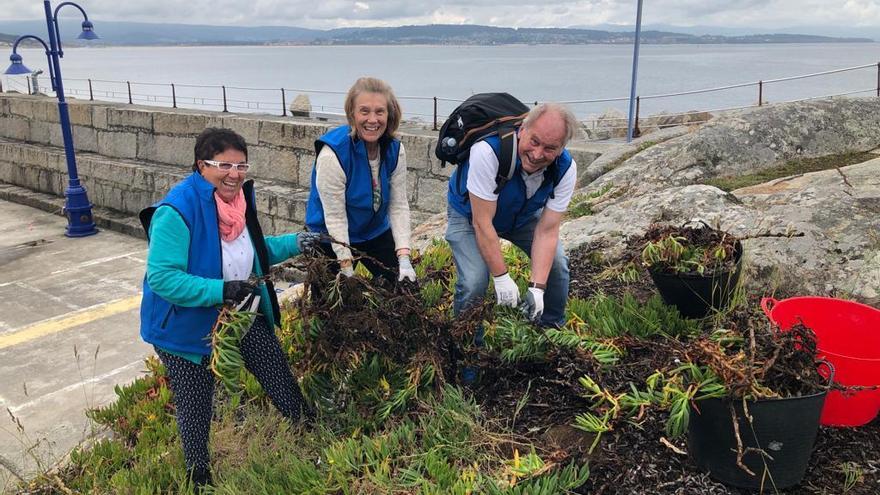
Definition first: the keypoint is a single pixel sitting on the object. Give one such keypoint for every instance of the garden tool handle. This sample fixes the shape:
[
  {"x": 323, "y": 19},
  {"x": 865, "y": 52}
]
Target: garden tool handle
[
  {"x": 767, "y": 304},
  {"x": 697, "y": 220},
  {"x": 830, "y": 367}
]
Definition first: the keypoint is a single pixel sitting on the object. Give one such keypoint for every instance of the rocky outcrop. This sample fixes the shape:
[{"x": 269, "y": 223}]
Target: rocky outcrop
[
  {"x": 747, "y": 141},
  {"x": 816, "y": 233}
]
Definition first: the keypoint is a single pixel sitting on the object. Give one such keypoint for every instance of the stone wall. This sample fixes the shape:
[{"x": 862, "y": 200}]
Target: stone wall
[{"x": 128, "y": 156}]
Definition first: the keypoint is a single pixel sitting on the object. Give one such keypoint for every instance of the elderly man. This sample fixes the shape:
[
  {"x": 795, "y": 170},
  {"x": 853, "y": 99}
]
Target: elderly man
[{"x": 526, "y": 211}]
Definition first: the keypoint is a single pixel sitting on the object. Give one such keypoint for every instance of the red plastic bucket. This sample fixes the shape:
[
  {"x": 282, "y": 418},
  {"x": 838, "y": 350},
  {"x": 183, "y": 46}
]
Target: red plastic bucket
[{"x": 847, "y": 335}]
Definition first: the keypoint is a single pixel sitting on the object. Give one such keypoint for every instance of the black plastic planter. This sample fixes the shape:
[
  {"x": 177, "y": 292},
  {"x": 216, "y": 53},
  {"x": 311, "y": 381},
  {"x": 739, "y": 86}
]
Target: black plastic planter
[
  {"x": 783, "y": 428},
  {"x": 696, "y": 295}
]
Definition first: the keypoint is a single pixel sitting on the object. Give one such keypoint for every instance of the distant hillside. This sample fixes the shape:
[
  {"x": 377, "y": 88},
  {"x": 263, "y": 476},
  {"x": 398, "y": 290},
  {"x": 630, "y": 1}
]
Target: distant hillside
[
  {"x": 6, "y": 39},
  {"x": 133, "y": 33},
  {"x": 488, "y": 35}
]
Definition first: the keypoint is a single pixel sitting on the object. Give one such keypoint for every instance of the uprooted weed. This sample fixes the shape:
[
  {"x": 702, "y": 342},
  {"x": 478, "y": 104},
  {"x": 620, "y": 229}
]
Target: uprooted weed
[{"x": 592, "y": 407}]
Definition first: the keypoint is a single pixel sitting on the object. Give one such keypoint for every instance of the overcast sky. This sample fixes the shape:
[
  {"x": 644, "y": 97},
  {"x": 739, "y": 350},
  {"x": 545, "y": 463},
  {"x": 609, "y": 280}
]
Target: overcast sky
[{"x": 324, "y": 14}]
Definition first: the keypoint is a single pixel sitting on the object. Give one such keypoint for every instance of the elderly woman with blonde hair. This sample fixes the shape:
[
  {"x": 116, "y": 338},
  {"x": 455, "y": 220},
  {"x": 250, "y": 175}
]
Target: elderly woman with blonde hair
[{"x": 358, "y": 195}]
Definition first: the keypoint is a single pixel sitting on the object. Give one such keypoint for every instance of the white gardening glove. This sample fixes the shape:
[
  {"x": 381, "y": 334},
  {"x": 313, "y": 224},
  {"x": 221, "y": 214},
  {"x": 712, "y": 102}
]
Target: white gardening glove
[
  {"x": 533, "y": 305},
  {"x": 406, "y": 269},
  {"x": 347, "y": 270},
  {"x": 506, "y": 291}
]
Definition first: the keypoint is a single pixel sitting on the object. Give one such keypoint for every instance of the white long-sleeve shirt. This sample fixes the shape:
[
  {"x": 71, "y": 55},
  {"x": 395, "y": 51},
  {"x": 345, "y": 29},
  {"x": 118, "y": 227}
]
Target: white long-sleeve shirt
[{"x": 330, "y": 181}]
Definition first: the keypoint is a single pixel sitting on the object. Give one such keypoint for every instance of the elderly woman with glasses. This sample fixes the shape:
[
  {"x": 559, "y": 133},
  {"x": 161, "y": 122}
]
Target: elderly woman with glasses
[
  {"x": 358, "y": 195},
  {"x": 205, "y": 244}
]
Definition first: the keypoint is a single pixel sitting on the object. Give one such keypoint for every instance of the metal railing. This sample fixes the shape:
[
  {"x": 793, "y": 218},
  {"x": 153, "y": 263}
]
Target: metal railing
[{"x": 276, "y": 100}]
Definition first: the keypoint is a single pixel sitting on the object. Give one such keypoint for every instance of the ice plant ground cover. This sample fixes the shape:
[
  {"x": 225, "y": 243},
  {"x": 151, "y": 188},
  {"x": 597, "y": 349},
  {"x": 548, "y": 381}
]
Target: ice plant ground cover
[{"x": 598, "y": 406}]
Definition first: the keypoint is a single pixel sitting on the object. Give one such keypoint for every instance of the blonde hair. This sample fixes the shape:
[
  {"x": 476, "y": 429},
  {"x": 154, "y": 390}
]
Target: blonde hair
[
  {"x": 568, "y": 118},
  {"x": 378, "y": 86}
]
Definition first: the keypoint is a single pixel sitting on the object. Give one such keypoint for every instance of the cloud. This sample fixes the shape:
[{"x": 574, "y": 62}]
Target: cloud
[{"x": 528, "y": 13}]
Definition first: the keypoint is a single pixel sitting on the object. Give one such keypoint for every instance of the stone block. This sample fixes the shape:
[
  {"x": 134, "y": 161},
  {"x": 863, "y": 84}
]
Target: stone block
[
  {"x": 56, "y": 138},
  {"x": 56, "y": 161},
  {"x": 272, "y": 132},
  {"x": 22, "y": 107},
  {"x": 15, "y": 128},
  {"x": 432, "y": 195},
  {"x": 301, "y": 106},
  {"x": 117, "y": 144},
  {"x": 271, "y": 163},
  {"x": 100, "y": 120},
  {"x": 179, "y": 123},
  {"x": 130, "y": 118},
  {"x": 10, "y": 152},
  {"x": 306, "y": 163},
  {"x": 442, "y": 171},
  {"x": 412, "y": 187},
  {"x": 40, "y": 132},
  {"x": 80, "y": 114},
  {"x": 4, "y": 106},
  {"x": 583, "y": 158},
  {"x": 45, "y": 109},
  {"x": 33, "y": 156},
  {"x": 85, "y": 138},
  {"x": 173, "y": 150},
  {"x": 247, "y": 127},
  {"x": 419, "y": 150},
  {"x": 303, "y": 134}
]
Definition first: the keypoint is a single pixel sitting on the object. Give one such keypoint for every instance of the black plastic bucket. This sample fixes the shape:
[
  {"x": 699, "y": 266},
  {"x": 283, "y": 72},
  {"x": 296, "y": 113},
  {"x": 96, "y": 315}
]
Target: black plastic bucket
[
  {"x": 784, "y": 428},
  {"x": 696, "y": 295}
]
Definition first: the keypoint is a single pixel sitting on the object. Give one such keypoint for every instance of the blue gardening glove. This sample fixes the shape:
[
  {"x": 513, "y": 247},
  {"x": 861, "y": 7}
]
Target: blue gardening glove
[
  {"x": 533, "y": 305},
  {"x": 506, "y": 291},
  {"x": 406, "y": 269},
  {"x": 307, "y": 242}
]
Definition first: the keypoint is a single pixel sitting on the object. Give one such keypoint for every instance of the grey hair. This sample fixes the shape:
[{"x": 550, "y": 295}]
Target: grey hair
[{"x": 571, "y": 122}]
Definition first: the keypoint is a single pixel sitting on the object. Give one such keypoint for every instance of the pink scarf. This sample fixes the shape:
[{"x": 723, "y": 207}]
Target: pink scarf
[{"x": 230, "y": 216}]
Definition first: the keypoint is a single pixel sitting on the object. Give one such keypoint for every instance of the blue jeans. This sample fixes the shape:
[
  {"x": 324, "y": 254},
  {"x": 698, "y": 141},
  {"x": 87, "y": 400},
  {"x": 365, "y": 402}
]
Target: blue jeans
[{"x": 473, "y": 274}]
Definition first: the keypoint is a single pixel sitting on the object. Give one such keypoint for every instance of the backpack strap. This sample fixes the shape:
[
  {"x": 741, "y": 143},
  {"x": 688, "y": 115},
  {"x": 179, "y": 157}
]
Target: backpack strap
[{"x": 507, "y": 157}]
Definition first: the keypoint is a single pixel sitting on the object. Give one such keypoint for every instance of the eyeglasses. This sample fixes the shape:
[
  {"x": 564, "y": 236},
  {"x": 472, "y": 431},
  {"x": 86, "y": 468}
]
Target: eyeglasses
[{"x": 226, "y": 166}]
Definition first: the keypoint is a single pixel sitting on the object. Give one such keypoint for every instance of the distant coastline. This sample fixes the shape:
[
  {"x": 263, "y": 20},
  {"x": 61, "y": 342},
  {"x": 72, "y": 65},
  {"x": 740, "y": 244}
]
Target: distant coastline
[{"x": 144, "y": 34}]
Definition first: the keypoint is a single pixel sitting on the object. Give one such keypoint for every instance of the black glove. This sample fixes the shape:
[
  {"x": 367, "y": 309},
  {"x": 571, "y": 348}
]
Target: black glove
[
  {"x": 308, "y": 242},
  {"x": 235, "y": 291}
]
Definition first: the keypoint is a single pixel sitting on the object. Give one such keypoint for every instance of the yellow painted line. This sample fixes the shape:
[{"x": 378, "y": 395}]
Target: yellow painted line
[{"x": 69, "y": 320}]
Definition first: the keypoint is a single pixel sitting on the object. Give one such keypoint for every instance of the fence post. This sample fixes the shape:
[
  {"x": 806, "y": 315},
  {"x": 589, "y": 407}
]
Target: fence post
[
  {"x": 283, "y": 103},
  {"x": 129, "y": 91},
  {"x": 878, "y": 78},
  {"x": 1, "y": 86},
  {"x": 760, "y": 93},
  {"x": 224, "y": 99},
  {"x": 91, "y": 94},
  {"x": 636, "y": 131},
  {"x": 173, "y": 96},
  {"x": 435, "y": 113},
  {"x": 29, "y": 84}
]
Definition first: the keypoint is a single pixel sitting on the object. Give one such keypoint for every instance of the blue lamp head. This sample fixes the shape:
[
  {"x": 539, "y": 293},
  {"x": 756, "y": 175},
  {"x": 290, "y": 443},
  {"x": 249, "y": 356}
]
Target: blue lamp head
[
  {"x": 17, "y": 67},
  {"x": 88, "y": 32}
]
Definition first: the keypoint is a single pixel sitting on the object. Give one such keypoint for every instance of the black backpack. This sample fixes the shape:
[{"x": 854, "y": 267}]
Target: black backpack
[{"x": 480, "y": 116}]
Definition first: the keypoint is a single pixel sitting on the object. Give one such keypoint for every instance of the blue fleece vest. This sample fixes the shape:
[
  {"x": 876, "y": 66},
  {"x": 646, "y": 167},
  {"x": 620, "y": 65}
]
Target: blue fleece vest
[
  {"x": 513, "y": 210},
  {"x": 363, "y": 223},
  {"x": 178, "y": 328}
]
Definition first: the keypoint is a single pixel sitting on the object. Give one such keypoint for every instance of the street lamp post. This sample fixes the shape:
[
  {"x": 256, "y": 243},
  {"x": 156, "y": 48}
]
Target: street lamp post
[{"x": 80, "y": 222}]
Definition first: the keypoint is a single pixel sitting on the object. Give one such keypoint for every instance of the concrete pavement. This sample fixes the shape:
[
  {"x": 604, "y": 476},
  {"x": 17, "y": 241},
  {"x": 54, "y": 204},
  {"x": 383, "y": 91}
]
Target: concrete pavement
[{"x": 68, "y": 332}]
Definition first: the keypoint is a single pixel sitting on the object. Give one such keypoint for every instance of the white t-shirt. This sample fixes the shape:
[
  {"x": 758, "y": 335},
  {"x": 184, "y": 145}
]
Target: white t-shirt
[
  {"x": 238, "y": 257},
  {"x": 483, "y": 169}
]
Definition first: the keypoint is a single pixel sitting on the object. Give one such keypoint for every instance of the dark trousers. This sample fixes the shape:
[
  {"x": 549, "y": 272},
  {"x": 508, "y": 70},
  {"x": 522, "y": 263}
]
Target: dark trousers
[
  {"x": 193, "y": 388},
  {"x": 381, "y": 248}
]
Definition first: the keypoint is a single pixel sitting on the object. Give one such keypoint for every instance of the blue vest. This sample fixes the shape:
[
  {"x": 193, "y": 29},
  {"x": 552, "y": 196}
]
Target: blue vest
[
  {"x": 513, "y": 210},
  {"x": 363, "y": 223},
  {"x": 185, "y": 329}
]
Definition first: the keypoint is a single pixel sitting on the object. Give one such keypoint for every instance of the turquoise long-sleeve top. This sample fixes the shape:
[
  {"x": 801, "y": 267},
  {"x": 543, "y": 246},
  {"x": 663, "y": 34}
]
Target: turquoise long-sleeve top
[{"x": 167, "y": 262}]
